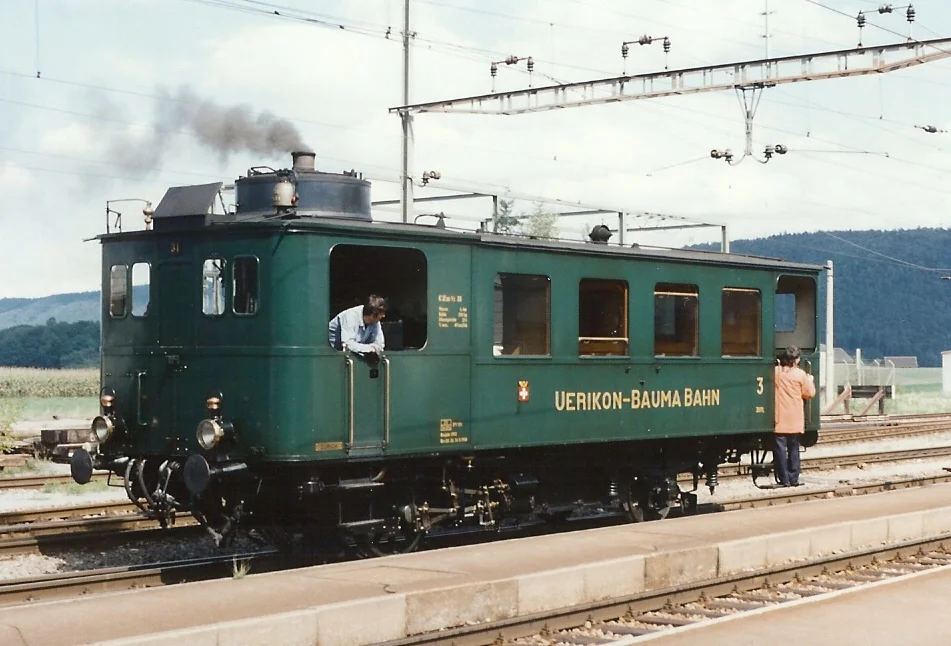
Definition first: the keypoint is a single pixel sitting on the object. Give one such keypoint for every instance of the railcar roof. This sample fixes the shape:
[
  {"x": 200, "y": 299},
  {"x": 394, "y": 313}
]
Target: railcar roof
[{"x": 401, "y": 230}]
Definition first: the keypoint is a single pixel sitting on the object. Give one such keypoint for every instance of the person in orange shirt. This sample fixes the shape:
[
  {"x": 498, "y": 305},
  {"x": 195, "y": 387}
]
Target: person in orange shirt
[{"x": 793, "y": 386}]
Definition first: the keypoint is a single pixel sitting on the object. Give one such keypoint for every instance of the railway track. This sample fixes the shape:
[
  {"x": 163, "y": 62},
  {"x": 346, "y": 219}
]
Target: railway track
[
  {"x": 37, "y": 482},
  {"x": 618, "y": 621},
  {"x": 64, "y": 584},
  {"x": 42, "y": 536}
]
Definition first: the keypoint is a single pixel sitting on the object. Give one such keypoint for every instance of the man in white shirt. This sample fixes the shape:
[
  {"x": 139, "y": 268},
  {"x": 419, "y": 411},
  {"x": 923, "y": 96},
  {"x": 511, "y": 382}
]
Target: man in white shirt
[{"x": 358, "y": 329}]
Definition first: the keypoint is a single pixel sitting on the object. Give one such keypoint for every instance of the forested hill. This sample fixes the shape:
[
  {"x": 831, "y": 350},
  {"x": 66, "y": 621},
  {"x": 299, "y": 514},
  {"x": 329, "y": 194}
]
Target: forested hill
[
  {"x": 66, "y": 308},
  {"x": 886, "y": 302}
]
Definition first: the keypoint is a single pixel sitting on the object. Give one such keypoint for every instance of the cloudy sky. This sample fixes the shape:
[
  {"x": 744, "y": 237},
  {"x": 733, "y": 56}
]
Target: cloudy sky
[{"x": 98, "y": 101}]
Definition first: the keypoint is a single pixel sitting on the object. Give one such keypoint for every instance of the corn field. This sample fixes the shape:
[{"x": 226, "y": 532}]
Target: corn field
[{"x": 35, "y": 382}]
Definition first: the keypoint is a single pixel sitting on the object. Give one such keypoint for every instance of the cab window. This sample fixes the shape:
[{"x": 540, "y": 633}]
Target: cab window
[
  {"x": 795, "y": 313},
  {"x": 398, "y": 274},
  {"x": 118, "y": 291},
  {"x": 245, "y": 288},
  {"x": 141, "y": 289},
  {"x": 213, "y": 286},
  {"x": 676, "y": 320}
]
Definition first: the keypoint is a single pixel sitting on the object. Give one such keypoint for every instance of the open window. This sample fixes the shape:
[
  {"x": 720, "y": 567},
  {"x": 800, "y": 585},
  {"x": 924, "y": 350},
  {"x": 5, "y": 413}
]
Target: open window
[
  {"x": 676, "y": 320},
  {"x": 741, "y": 331},
  {"x": 398, "y": 274},
  {"x": 118, "y": 291},
  {"x": 602, "y": 318},
  {"x": 795, "y": 313},
  {"x": 522, "y": 315},
  {"x": 213, "y": 286}
]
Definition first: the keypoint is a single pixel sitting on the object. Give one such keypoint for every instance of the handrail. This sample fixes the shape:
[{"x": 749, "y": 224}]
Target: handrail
[
  {"x": 386, "y": 403},
  {"x": 349, "y": 363},
  {"x": 138, "y": 401}
]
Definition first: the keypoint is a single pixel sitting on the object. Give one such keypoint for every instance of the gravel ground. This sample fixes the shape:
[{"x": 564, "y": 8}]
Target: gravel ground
[{"x": 169, "y": 548}]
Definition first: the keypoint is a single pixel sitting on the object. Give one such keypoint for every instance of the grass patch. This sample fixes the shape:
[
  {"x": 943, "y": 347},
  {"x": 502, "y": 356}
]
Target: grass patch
[
  {"x": 30, "y": 468},
  {"x": 73, "y": 489},
  {"x": 240, "y": 569},
  {"x": 38, "y": 408}
]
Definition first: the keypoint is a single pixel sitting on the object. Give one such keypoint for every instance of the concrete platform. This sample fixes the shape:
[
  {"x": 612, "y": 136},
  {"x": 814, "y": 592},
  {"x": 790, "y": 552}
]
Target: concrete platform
[
  {"x": 366, "y": 602},
  {"x": 911, "y": 610}
]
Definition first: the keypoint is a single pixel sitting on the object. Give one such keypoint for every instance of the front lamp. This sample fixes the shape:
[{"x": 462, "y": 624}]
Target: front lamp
[
  {"x": 102, "y": 428},
  {"x": 211, "y": 431}
]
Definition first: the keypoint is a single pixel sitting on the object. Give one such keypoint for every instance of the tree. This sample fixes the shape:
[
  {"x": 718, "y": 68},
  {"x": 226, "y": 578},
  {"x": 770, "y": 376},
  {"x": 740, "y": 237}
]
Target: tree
[
  {"x": 503, "y": 219},
  {"x": 539, "y": 223}
]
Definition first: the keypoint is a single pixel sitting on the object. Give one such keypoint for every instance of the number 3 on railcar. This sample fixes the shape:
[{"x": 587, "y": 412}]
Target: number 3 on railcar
[{"x": 522, "y": 380}]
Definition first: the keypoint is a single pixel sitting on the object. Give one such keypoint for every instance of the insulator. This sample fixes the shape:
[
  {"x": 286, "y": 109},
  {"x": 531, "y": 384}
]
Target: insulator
[
  {"x": 494, "y": 69},
  {"x": 511, "y": 60},
  {"x": 531, "y": 64},
  {"x": 645, "y": 40},
  {"x": 861, "y": 19},
  {"x": 781, "y": 149},
  {"x": 769, "y": 151},
  {"x": 613, "y": 489},
  {"x": 624, "y": 50},
  {"x": 910, "y": 14},
  {"x": 885, "y": 8},
  {"x": 666, "y": 45}
]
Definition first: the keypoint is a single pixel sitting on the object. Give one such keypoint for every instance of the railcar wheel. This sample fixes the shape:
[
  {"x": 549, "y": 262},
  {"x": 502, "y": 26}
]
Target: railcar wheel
[{"x": 387, "y": 543}]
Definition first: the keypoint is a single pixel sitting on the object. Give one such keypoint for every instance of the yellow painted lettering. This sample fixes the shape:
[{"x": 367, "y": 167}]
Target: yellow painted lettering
[
  {"x": 676, "y": 400},
  {"x": 688, "y": 397},
  {"x": 582, "y": 401},
  {"x": 715, "y": 399},
  {"x": 595, "y": 401},
  {"x": 635, "y": 399},
  {"x": 665, "y": 398},
  {"x": 645, "y": 399},
  {"x": 570, "y": 401},
  {"x": 559, "y": 400},
  {"x": 616, "y": 400},
  {"x": 655, "y": 398}
]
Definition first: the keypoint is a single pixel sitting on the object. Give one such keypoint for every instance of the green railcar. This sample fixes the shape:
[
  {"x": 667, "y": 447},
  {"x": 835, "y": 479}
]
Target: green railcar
[{"x": 521, "y": 379}]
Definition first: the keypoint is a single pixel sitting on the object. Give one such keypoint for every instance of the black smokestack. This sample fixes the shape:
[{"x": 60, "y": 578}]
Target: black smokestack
[{"x": 227, "y": 129}]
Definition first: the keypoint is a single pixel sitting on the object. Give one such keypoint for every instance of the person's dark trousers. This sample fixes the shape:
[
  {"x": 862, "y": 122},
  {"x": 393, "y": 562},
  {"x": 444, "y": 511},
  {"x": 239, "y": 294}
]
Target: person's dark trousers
[{"x": 787, "y": 458}]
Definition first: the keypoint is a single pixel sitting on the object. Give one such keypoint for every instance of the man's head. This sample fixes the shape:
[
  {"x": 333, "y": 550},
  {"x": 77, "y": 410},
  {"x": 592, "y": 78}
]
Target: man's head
[
  {"x": 790, "y": 356},
  {"x": 375, "y": 309}
]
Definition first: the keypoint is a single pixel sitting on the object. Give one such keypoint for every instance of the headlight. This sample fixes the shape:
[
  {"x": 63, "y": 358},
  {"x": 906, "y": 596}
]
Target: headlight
[
  {"x": 102, "y": 428},
  {"x": 210, "y": 432}
]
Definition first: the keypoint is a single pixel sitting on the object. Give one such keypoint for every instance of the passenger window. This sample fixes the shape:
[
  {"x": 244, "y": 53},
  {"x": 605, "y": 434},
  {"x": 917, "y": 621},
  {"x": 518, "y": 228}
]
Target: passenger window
[
  {"x": 118, "y": 291},
  {"x": 398, "y": 274},
  {"x": 245, "y": 285},
  {"x": 522, "y": 315},
  {"x": 741, "y": 331},
  {"x": 213, "y": 286},
  {"x": 676, "y": 320},
  {"x": 602, "y": 317},
  {"x": 141, "y": 289}
]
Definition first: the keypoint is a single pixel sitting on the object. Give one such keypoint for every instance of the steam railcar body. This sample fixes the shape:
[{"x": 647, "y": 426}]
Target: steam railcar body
[{"x": 521, "y": 378}]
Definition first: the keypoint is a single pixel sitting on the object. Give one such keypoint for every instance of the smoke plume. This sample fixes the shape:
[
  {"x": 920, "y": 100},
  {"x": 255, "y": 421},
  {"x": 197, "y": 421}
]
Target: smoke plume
[{"x": 226, "y": 129}]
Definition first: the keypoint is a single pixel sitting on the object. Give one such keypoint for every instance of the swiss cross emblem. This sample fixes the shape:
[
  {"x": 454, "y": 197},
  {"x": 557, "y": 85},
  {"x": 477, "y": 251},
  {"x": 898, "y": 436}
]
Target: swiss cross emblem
[{"x": 523, "y": 393}]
